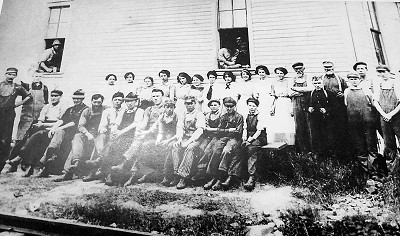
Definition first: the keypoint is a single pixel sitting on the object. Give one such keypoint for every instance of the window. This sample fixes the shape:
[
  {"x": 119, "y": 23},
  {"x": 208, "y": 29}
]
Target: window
[
  {"x": 57, "y": 29},
  {"x": 233, "y": 32},
  {"x": 376, "y": 33}
]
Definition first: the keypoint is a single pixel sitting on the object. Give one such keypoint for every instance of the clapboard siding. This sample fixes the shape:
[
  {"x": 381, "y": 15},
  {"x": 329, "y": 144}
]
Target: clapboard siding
[{"x": 285, "y": 32}]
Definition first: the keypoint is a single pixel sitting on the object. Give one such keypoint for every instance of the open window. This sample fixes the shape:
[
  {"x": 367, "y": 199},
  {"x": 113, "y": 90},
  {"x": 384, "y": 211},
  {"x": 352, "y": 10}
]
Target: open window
[
  {"x": 57, "y": 31},
  {"x": 233, "y": 31}
]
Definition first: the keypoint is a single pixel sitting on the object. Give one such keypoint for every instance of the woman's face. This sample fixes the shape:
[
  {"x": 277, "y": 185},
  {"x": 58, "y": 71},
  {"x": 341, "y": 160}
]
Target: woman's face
[
  {"x": 280, "y": 74},
  {"x": 212, "y": 79},
  {"x": 245, "y": 76},
  {"x": 163, "y": 77},
  {"x": 129, "y": 78},
  {"x": 111, "y": 80},
  {"x": 228, "y": 79},
  {"x": 148, "y": 82},
  {"x": 262, "y": 73},
  {"x": 182, "y": 80},
  {"x": 196, "y": 81}
]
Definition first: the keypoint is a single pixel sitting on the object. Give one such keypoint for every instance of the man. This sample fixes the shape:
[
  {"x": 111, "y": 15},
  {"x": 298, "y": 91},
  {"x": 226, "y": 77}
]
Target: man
[
  {"x": 145, "y": 137},
  {"x": 87, "y": 138},
  {"x": 166, "y": 86},
  {"x": 337, "y": 121},
  {"x": 300, "y": 99},
  {"x": 190, "y": 127},
  {"x": 36, "y": 140},
  {"x": 9, "y": 91},
  {"x": 61, "y": 135},
  {"x": 50, "y": 61},
  {"x": 361, "y": 69},
  {"x": 105, "y": 129},
  {"x": 230, "y": 132}
]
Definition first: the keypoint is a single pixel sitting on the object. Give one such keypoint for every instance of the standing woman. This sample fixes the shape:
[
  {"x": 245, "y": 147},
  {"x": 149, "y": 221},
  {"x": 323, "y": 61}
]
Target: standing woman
[
  {"x": 145, "y": 93},
  {"x": 110, "y": 89},
  {"x": 246, "y": 91},
  {"x": 262, "y": 86},
  {"x": 282, "y": 122},
  {"x": 182, "y": 89},
  {"x": 130, "y": 84},
  {"x": 198, "y": 91}
]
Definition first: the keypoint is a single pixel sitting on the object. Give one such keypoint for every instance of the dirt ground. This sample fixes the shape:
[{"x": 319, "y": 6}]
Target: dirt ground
[{"x": 25, "y": 196}]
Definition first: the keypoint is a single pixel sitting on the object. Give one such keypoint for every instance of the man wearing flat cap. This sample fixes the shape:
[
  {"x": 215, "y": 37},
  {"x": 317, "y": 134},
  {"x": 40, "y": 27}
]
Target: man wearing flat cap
[
  {"x": 50, "y": 61},
  {"x": 86, "y": 139},
  {"x": 9, "y": 91},
  {"x": 337, "y": 122},
  {"x": 302, "y": 87},
  {"x": 362, "y": 69},
  {"x": 61, "y": 135}
]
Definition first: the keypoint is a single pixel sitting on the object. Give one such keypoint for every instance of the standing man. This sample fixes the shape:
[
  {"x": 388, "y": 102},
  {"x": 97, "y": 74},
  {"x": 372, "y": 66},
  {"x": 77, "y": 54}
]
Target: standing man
[
  {"x": 9, "y": 91},
  {"x": 361, "y": 69},
  {"x": 337, "y": 122},
  {"x": 300, "y": 99},
  {"x": 50, "y": 61},
  {"x": 87, "y": 138}
]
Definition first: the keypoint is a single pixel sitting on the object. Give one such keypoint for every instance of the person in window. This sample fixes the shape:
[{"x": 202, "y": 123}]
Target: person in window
[
  {"x": 227, "y": 56},
  {"x": 50, "y": 61},
  {"x": 145, "y": 93},
  {"x": 243, "y": 57}
]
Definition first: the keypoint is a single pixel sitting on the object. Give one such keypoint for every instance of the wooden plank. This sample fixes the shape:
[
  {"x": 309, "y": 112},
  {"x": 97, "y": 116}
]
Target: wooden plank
[{"x": 275, "y": 146}]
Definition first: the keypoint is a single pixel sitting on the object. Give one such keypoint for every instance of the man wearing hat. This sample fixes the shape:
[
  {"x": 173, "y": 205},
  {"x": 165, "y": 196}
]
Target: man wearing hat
[
  {"x": 230, "y": 132},
  {"x": 36, "y": 138},
  {"x": 337, "y": 122},
  {"x": 359, "y": 102},
  {"x": 61, "y": 135},
  {"x": 302, "y": 87},
  {"x": 86, "y": 139},
  {"x": 9, "y": 91},
  {"x": 50, "y": 61}
]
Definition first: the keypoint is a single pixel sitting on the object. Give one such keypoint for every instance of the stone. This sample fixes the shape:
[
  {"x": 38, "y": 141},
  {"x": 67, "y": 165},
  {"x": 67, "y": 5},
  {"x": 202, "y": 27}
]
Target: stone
[{"x": 261, "y": 230}]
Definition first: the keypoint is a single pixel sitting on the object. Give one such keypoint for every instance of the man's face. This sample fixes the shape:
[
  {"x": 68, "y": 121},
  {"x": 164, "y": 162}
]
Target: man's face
[
  {"x": 37, "y": 77},
  {"x": 252, "y": 107},
  {"x": 190, "y": 105},
  {"x": 383, "y": 74},
  {"x": 10, "y": 76},
  {"x": 157, "y": 98},
  {"x": 163, "y": 77},
  {"x": 169, "y": 109},
  {"x": 131, "y": 104},
  {"x": 329, "y": 70},
  {"x": 77, "y": 101},
  {"x": 354, "y": 81},
  {"x": 361, "y": 70},
  {"x": 117, "y": 102},
  {"x": 318, "y": 84},
  {"x": 230, "y": 108},
  {"x": 211, "y": 79},
  {"x": 214, "y": 106},
  {"x": 55, "y": 98},
  {"x": 96, "y": 103},
  {"x": 299, "y": 70}
]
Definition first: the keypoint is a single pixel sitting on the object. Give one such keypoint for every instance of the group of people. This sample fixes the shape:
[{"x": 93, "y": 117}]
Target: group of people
[{"x": 201, "y": 132}]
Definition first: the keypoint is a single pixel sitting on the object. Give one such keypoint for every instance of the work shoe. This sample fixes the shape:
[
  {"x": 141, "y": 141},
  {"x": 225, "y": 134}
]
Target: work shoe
[
  {"x": 208, "y": 185},
  {"x": 197, "y": 177},
  {"x": 44, "y": 173},
  {"x": 28, "y": 171},
  {"x": 93, "y": 163},
  {"x": 174, "y": 182},
  {"x": 65, "y": 177},
  {"x": 216, "y": 186},
  {"x": 13, "y": 168},
  {"x": 251, "y": 183},
  {"x": 109, "y": 181},
  {"x": 228, "y": 182},
  {"x": 121, "y": 166},
  {"x": 131, "y": 181},
  {"x": 182, "y": 184},
  {"x": 92, "y": 176},
  {"x": 143, "y": 179},
  {"x": 165, "y": 182}
]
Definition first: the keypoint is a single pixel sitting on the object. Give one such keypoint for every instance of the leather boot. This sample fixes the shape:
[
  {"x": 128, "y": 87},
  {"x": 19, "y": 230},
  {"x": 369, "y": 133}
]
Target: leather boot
[
  {"x": 251, "y": 183},
  {"x": 92, "y": 176},
  {"x": 14, "y": 166},
  {"x": 228, "y": 182},
  {"x": 182, "y": 184},
  {"x": 211, "y": 183},
  {"x": 109, "y": 181},
  {"x": 217, "y": 185},
  {"x": 131, "y": 181},
  {"x": 175, "y": 181},
  {"x": 44, "y": 173},
  {"x": 143, "y": 179},
  {"x": 165, "y": 182},
  {"x": 121, "y": 167},
  {"x": 28, "y": 171},
  {"x": 65, "y": 177}
]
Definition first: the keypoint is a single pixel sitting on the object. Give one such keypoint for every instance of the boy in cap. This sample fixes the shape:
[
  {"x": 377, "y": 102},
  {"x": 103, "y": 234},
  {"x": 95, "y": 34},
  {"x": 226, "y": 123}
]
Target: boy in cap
[
  {"x": 302, "y": 86},
  {"x": 359, "y": 102},
  {"x": 337, "y": 125},
  {"x": 36, "y": 138},
  {"x": 230, "y": 132},
  {"x": 86, "y": 139},
  {"x": 61, "y": 134},
  {"x": 9, "y": 91},
  {"x": 386, "y": 101},
  {"x": 50, "y": 61}
]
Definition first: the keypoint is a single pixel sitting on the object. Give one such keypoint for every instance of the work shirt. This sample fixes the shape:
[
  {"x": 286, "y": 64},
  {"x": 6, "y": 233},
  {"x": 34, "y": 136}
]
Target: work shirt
[
  {"x": 109, "y": 117},
  {"x": 212, "y": 123},
  {"x": 48, "y": 55},
  {"x": 8, "y": 94},
  {"x": 168, "y": 124},
  {"x": 90, "y": 120},
  {"x": 151, "y": 115},
  {"x": 73, "y": 114},
  {"x": 190, "y": 122},
  {"x": 231, "y": 120},
  {"x": 51, "y": 113},
  {"x": 319, "y": 99}
]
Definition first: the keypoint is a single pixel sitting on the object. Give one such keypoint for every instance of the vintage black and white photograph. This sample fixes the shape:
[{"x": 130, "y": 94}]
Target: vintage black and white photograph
[{"x": 199, "y": 117}]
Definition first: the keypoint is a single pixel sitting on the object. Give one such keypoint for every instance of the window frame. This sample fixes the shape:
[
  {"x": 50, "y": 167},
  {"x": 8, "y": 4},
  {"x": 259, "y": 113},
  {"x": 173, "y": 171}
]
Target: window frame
[{"x": 376, "y": 34}]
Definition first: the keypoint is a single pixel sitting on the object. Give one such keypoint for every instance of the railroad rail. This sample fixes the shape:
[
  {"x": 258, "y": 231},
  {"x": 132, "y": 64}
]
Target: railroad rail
[{"x": 12, "y": 224}]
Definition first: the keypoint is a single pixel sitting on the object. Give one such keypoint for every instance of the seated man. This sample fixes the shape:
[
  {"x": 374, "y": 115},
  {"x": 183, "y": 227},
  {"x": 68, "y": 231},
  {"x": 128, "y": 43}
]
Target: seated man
[
  {"x": 87, "y": 137},
  {"x": 227, "y": 57},
  {"x": 37, "y": 138},
  {"x": 61, "y": 135},
  {"x": 50, "y": 61}
]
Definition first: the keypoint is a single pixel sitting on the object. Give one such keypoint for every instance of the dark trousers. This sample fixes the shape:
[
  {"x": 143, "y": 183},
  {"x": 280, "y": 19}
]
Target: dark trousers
[
  {"x": 221, "y": 156},
  {"x": 32, "y": 151},
  {"x": 319, "y": 141},
  {"x": 337, "y": 132},
  {"x": 207, "y": 145},
  {"x": 391, "y": 130},
  {"x": 302, "y": 130},
  {"x": 6, "y": 129}
]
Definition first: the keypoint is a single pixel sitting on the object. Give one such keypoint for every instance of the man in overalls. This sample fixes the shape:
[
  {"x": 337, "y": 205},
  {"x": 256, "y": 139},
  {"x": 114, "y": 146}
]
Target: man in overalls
[
  {"x": 300, "y": 99},
  {"x": 9, "y": 91}
]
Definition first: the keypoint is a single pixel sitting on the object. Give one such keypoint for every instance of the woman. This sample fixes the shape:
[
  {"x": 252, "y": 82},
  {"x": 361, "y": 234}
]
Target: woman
[
  {"x": 246, "y": 91},
  {"x": 198, "y": 91},
  {"x": 110, "y": 89},
  {"x": 111, "y": 79},
  {"x": 262, "y": 86},
  {"x": 130, "y": 84},
  {"x": 182, "y": 89},
  {"x": 282, "y": 123},
  {"x": 145, "y": 93}
]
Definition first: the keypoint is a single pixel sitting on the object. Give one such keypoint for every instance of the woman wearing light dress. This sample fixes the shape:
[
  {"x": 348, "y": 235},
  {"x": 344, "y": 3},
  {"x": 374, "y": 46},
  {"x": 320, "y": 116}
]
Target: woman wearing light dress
[
  {"x": 198, "y": 90},
  {"x": 145, "y": 93},
  {"x": 281, "y": 124},
  {"x": 182, "y": 89},
  {"x": 247, "y": 89}
]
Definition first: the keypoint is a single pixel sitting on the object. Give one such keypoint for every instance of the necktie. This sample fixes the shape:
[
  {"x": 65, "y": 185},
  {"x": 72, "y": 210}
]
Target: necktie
[
  {"x": 209, "y": 93},
  {"x": 228, "y": 86}
]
